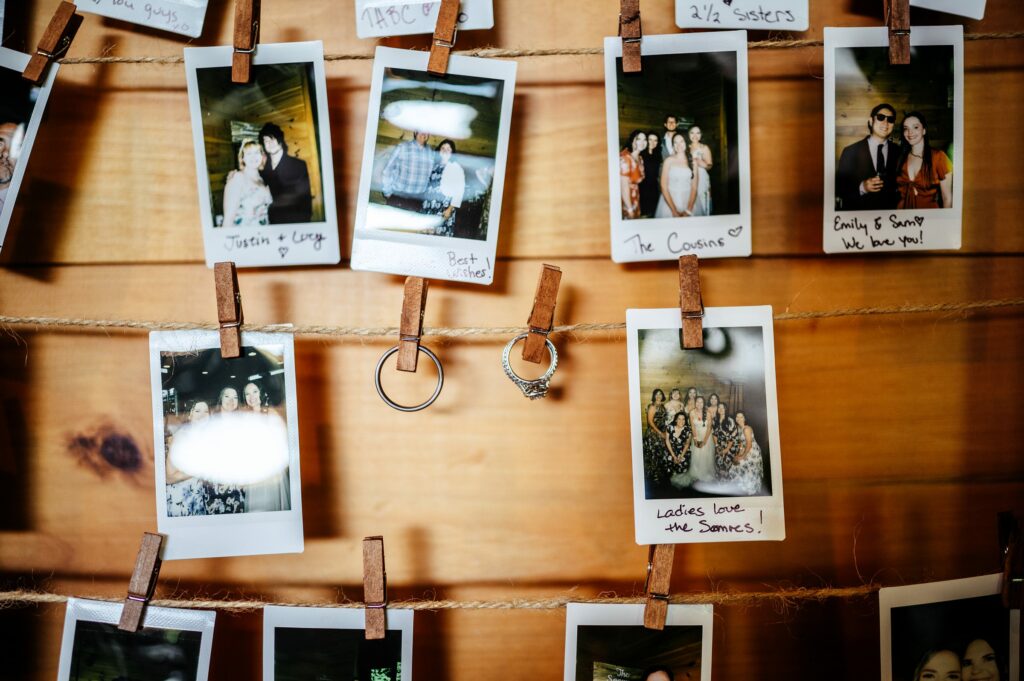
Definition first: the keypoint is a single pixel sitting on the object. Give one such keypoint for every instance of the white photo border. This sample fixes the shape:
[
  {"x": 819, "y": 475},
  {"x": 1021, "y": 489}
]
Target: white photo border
[
  {"x": 711, "y": 236},
  {"x": 17, "y": 61},
  {"x": 162, "y": 14},
  {"x": 973, "y": 9},
  {"x": 307, "y": 243},
  {"x": 473, "y": 15},
  {"x": 939, "y": 592},
  {"x": 701, "y": 14},
  {"x": 83, "y": 610},
  {"x": 652, "y": 517},
  {"x": 332, "y": 618},
  {"x": 577, "y": 614},
  {"x": 940, "y": 228},
  {"x": 232, "y": 534},
  {"x": 424, "y": 255}
]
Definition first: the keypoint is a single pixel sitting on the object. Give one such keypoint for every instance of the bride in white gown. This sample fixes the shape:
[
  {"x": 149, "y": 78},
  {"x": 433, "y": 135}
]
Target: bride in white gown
[
  {"x": 678, "y": 191},
  {"x": 702, "y": 451}
]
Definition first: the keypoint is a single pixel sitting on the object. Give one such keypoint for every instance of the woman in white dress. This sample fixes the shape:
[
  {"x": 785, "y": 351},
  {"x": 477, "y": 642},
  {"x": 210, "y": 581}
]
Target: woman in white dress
[
  {"x": 749, "y": 467},
  {"x": 702, "y": 451},
  {"x": 247, "y": 198},
  {"x": 678, "y": 192},
  {"x": 701, "y": 155}
]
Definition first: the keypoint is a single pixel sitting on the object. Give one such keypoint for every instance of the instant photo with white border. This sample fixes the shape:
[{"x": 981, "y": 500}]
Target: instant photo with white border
[
  {"x": 383, "y": 18},
  {"x": 630, "y": 614},
  {"x": 685, "y": 519},
  {"x": 275, "y": 617},
  {"x": 769, "y": 15},
  {"x": 17, "y": 61},
  {"x": 82, "y": 610},
  {"x": 273, "y": 245},
  {"x": 226, "y": 534},
  {"x": 710, "y": 236},
  {"x": 426, "y": 255},
  {"x": 177, "y": 16},
  {"x": 973, "y": 9},
  {"x": 939, "y": 592},
  {"x": 861, "y": 231}
]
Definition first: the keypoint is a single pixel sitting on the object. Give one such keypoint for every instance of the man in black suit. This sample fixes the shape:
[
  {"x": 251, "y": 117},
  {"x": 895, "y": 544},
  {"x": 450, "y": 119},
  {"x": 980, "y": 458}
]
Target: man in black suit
[
  {"x": 866, "y": 176},
  {"x": 671, "y": 123},
  {"x": 288, "y": 180}
]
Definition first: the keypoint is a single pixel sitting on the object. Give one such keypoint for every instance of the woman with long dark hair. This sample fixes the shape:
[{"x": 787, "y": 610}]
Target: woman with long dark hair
[
  {"x": 446, "y": 188},
  {"x": 655, "y": 448},
  {"x": 649, "y": 190},
  {"x": 631, "y": 174},
  {"x": 925, "y": 177}
]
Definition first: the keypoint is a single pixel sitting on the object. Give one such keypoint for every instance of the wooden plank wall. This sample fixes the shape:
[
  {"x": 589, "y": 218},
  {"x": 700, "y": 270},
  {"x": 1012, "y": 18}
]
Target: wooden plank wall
[{"x": 900, "y": 435}]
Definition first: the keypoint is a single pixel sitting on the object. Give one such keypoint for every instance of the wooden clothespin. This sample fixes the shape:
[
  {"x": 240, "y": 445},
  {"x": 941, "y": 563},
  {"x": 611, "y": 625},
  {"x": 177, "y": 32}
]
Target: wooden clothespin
[
  {"x": 897, "y": 18},
  {"x": 691, "y": 303},
  {"x": 445, "y": 30},
  {"x": 375, "y": 587},
  {"x": 55, "y": 41},
  {"x": 414, "y": 304},
  {"x": 1011, "y": 542},
  {"x": 229, "y": 309},
  {"x": 143, "y": 582},
  {"x": 247, "y": 35},
  {"x": 659, "y": 577},
  {"x": 542, "y": 316},
  {"x": 631, "y": 33}
]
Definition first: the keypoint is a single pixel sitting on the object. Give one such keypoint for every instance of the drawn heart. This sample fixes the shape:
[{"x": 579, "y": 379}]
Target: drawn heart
[
  {"x": 919, "y": 220},
  {"x": 736, "y": 231},
  {"x": 283, "y": 250}
]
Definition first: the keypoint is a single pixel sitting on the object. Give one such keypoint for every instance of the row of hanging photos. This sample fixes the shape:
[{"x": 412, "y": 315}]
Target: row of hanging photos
[{"x": 660, "y": 558}]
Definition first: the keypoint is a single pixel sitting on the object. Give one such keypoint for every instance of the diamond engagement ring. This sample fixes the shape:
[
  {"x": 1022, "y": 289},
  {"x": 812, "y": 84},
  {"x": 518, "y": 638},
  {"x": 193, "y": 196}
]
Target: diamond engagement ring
[{"x": 535, "y": 388}]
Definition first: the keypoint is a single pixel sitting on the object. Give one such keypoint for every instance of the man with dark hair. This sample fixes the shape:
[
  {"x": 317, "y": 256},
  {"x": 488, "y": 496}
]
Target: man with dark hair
[
  {"x": 671, "y": 123},
  {"x": 866, "y": 175},
  {"x": 288, "y": 180}
]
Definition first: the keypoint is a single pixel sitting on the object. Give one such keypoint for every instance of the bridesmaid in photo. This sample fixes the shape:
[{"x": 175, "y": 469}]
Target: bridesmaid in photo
[
  {"x": 749, "y": 468},
  {"x": 649, "y": 190},
  {"x": 631, "y": 174},
  {"x": 655, "y": 453},
  {"x": 700, "y": 155},
  {"x": 674, "y": 404},
  {"x": 678, "y": 438}
]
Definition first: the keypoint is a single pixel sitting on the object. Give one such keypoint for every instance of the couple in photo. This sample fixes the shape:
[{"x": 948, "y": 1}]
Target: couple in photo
[
  {"x": 421, "y": 179},
  {"x": 665, "y": 175},
  {"x": 269, "y": 187},
  {"x": 973, "y": 661},
  {"x": 879, "y": 174}
]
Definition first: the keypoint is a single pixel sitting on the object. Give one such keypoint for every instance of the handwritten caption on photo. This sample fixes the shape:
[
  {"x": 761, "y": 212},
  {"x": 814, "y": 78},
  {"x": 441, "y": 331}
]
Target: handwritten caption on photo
[
  {"x": 379, "y": 18},
  {"x": 675, "y": 244},
  {"x": 167, "y": 15},
  {"x": 284, "y": 242},
  {"x": 717, "y": 517},
  {"x": 888, "y": 232},
  {"x": 766, "y": 14},
  {"x": 467, "y": 266}
]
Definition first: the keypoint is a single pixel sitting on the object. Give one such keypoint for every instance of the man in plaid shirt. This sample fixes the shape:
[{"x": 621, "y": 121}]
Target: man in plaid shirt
[{"x": 407, "y": 173}]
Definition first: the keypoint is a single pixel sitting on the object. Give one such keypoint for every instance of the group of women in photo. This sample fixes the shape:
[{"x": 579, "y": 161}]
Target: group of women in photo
[
  {"x": 191, "y": 496},
  {"x": 975, "y": 661},
  {"x": 665, "y": 175},
  {"x": 692, "y": 439}
]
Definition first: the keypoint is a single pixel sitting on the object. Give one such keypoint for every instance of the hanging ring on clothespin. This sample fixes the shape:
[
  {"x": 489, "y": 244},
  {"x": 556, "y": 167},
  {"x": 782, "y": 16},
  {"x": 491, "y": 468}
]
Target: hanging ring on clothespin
[
  {"x": 659, "y": 578},
  {"x": 229, "y": 309},
  {"x": 143, "y": 582},
  {"x": 375, "y": 588},
  {"x": 1011, "y": 543},
  {"x": 534, "y": 388},
  {"x": 55, "y": 41},
  {"x": 540, "y": 323},
  {"x": 445, "y": 31},
  {"x": 691, "y": 303},
  {"x": 897, "y": 18},
  {"x": 247, "y": 35},
  {"x": 410, "y": 331},
  {"x": 631, "y": 33}
]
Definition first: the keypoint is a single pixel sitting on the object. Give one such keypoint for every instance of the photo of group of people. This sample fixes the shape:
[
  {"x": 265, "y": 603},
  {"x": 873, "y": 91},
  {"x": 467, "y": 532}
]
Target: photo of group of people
[
  {"x": 705, "y": 422},
  {"x": 949, "y": 631},
  {"x": 894, "y": 129}
]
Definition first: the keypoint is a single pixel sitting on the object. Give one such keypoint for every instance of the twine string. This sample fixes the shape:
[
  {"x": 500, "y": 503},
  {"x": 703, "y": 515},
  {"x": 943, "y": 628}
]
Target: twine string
[
  {"x": 779, "y": 598},
  {"x": 460, "y": 332},
  {"x": 503, "y": 53}
]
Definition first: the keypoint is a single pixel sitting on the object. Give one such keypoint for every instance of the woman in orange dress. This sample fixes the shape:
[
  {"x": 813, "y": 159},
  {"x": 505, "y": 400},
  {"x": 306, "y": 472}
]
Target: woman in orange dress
[
  {"x": 631, "y": 174},
  {"x": 925, "y": 179}
]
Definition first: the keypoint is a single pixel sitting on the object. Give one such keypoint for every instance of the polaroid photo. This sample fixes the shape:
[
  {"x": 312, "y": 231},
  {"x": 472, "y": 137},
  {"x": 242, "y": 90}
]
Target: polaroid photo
[
  {"x": 610, "y": 643},
  {"x": 948, "y": 631},
  {"x": 770, "y": 15},
  {"x": 382, "y": 18},
  {"x": 330, "y": 644},
  {"x": 21, "y": 110},
  {"x": 263, "y": 156},
  {"x": 679, "y": 147},
  {"x": 227, "y": 441},
  {"x": 433, "y": 167},
  {"x": 973, "y": 9},
  {"x": 893, "y": 141},
  {"x": 176, "y": 16},
  {"x": 704, "y": 426},
  {"x": 172, "y": 643}
]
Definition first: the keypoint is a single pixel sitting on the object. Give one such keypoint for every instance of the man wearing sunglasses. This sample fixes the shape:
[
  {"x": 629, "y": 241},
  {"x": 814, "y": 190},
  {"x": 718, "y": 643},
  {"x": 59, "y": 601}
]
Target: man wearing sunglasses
[{"x": 866, "y": 176}]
